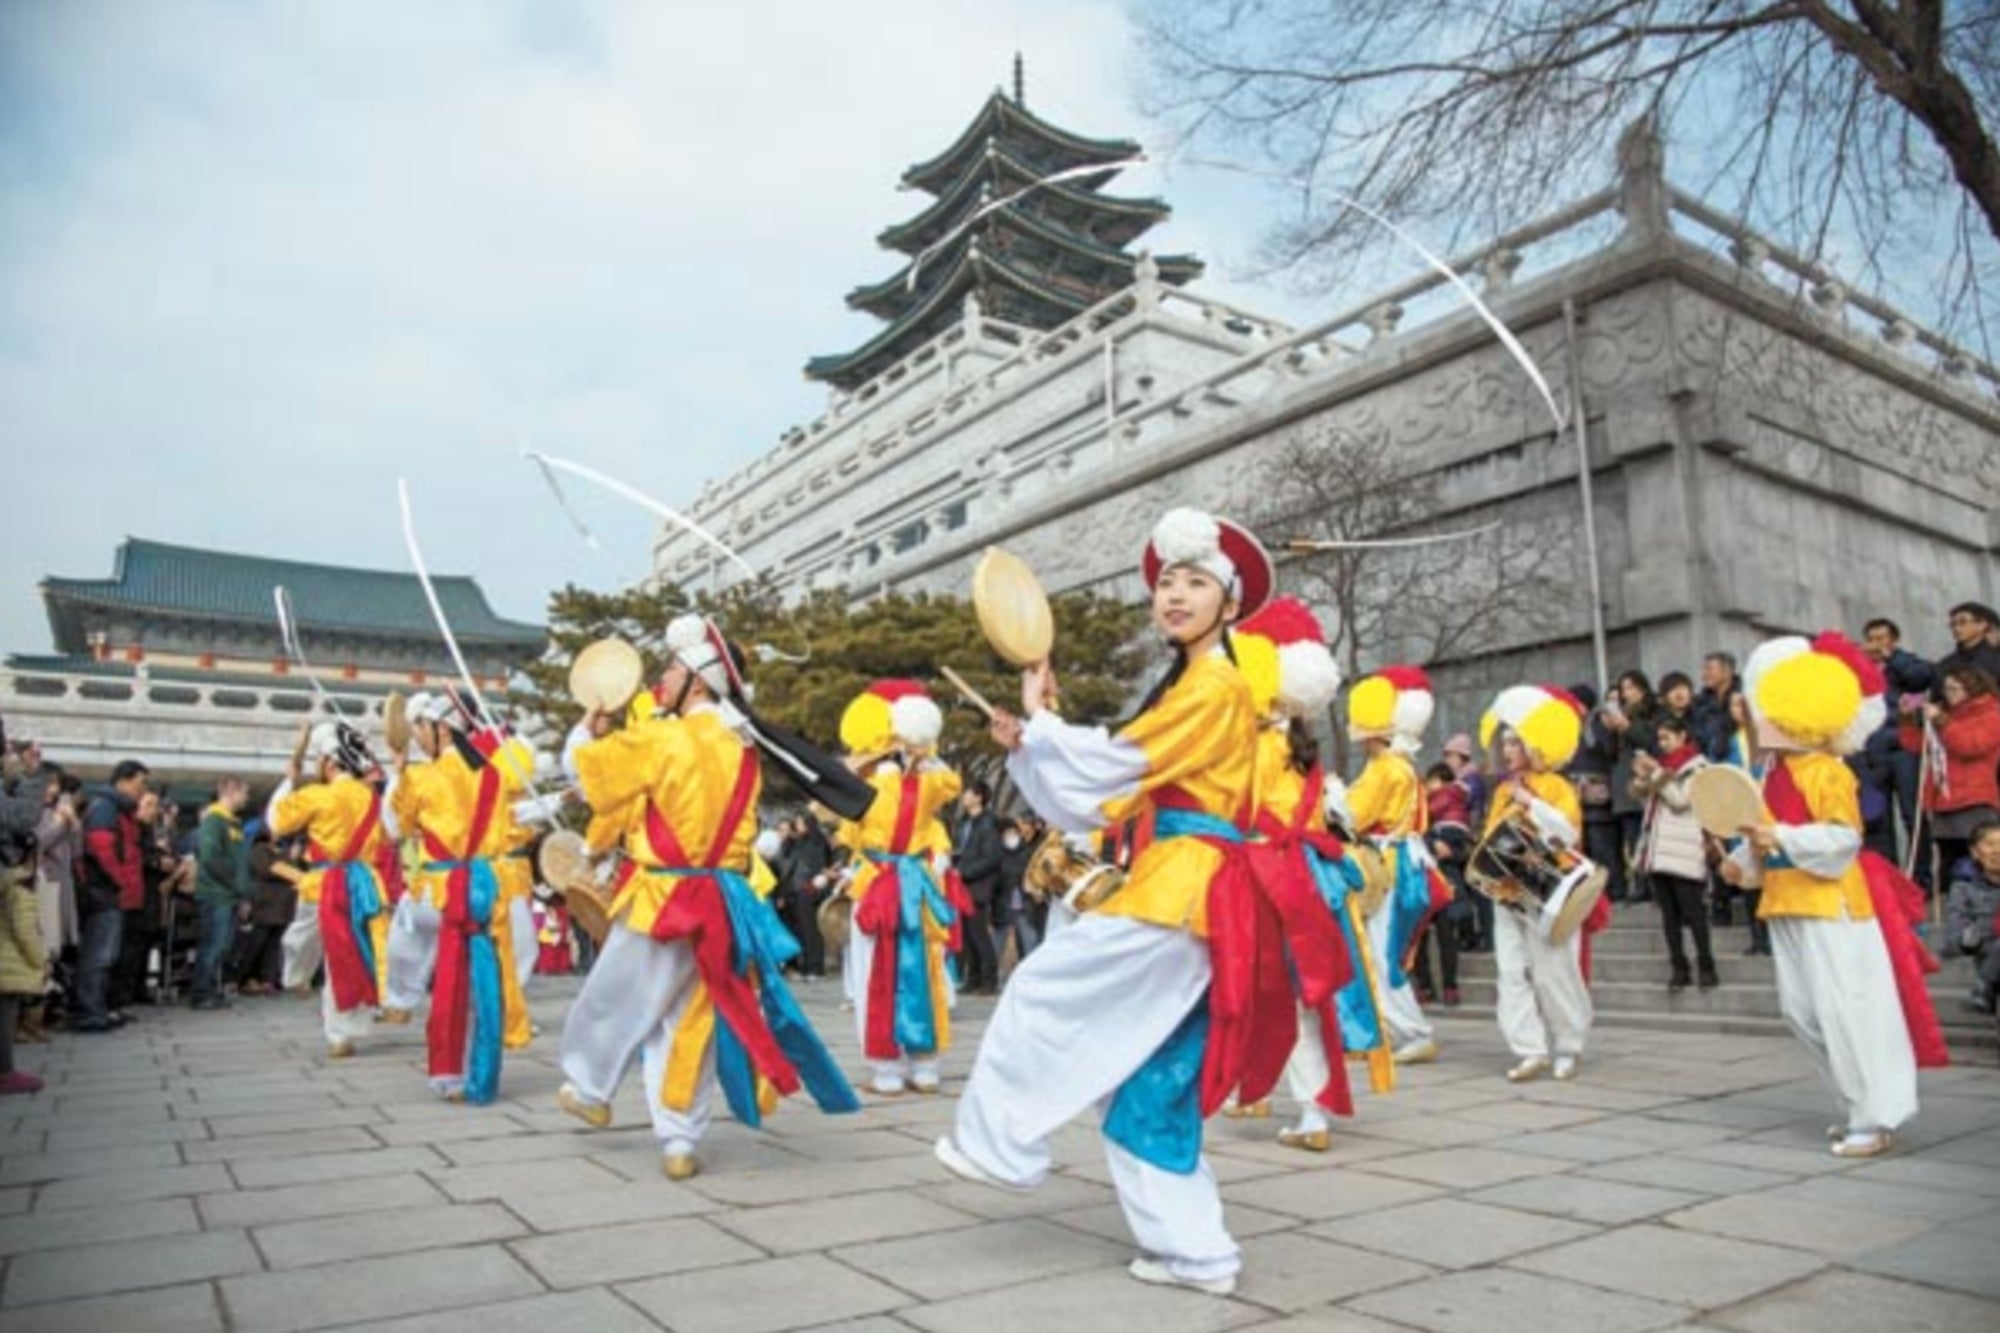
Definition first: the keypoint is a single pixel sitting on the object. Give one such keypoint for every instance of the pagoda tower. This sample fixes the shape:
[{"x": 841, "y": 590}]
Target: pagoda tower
[{"x": 1037, "y": 261}]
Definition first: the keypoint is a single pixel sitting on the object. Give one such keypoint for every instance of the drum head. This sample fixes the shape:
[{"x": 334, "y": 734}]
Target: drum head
[
  {"x": 1013, "y": 610},
  {"x": 605, "y": 675},
  {"x": 1726, "y": 800},
  {"x": 396, "y": 723},
  {"x": 564, "y": 860},
  {"x": 590, "y": 908},
  {"x": 836, "y": 921},
  {"x": 1572, "y": 901}
]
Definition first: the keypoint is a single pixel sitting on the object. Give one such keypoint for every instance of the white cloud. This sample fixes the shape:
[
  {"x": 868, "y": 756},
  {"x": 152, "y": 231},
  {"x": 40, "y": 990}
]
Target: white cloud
[{"x": 256, "y": 262}]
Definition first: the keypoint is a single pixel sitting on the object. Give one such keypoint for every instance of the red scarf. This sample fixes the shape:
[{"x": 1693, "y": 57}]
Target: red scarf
[
  {"x": 451, "y": 992},
  {"x": 348, "y": 975},
  {"x": 1281, "y": 860},
  {"x": 880, "y": 913},
  {"x": 697, "y": 912},
  {"x": 1675, "y": 760}
]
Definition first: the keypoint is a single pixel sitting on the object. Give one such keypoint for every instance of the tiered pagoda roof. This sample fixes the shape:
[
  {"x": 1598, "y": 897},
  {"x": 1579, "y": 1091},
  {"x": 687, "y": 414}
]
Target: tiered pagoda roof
[
  {"x": 160, "y": 581},
  {"x": 1036, "y": 260}
]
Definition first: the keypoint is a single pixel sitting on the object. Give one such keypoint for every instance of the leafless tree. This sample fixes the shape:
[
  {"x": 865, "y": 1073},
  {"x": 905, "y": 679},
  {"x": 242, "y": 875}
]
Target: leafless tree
[
  {"x": 1420, "y": 604},
  {"x": 1871, "y": 121}
]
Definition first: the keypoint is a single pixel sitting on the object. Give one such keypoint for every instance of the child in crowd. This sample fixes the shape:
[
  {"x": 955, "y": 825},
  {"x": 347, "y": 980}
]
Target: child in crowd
[{"x": 1451, "y": 843}]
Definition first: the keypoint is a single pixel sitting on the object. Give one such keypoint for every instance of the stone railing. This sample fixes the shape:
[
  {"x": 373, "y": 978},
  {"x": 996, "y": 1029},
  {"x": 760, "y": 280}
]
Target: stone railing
[{"x": 1021, "y": 352}]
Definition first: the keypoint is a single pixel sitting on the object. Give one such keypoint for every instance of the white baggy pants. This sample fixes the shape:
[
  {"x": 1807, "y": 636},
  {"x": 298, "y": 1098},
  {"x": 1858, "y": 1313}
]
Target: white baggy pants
[
  {"x": 888, "y": 1075},
  {"x": 630, "y": 1006},
  {"x": 1076, "y": 1020},
  {"x": 1837, "y": 989},
  {"x": 1307, "y": 1072},
  {"x": 413, "y": 944},
  {"x": 304, "y": 951},
  {"x": 1399, "y": 1006},
  {"x": 1543, "y": 1004}
]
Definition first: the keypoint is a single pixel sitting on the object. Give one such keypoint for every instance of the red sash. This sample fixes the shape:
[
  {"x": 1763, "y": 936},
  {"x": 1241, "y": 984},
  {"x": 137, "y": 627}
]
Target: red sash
[
  {"x": 697, "y": 912},
  {"x": 1264, "y": 930},
  {"x": 880, "y": 913},
  {"x": 347, "y": 972},
  {"x": 1899, "y": 906},
  {"x": 1280, "y": 859},
  {"x": 451, "y": 991}
]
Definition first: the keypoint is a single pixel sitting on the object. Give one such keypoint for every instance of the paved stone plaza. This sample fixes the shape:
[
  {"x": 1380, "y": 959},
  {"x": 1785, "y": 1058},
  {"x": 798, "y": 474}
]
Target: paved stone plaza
[{"x": 214, "y": 1171}]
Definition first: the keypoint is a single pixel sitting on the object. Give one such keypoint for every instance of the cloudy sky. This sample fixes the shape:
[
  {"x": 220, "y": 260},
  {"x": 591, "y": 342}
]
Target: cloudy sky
[{"x": 259, "y": 260}]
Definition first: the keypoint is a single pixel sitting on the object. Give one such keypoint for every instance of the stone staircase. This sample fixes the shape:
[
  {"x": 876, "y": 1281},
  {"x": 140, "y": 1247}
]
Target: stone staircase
[{"x": 1629, "y": 969}]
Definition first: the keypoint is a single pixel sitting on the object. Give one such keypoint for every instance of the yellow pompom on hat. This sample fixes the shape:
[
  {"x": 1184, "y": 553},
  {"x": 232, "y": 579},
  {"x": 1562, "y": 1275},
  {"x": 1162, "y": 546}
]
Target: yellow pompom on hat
[
  {"x": 889, "y": 712},
  {"x": 1547, "y": 718},
  {"x": 1282, "y": 653},
  {"x": 1395, "y": 702},
  {"x": 1823, "y": 693}
]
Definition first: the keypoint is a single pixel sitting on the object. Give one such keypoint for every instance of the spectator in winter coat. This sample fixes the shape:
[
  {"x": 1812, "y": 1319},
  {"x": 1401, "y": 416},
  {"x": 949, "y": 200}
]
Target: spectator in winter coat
[
  {"x": 1975, "y": 634},
  {"x": 274, "y": 894},
  {"x": 976, "y": 852},
  {"x": 1891, "y": 752},
  {"x": 1590, "y": 773},
  {"x": 1631, "y": 715},
  {"x": 113, "y": 872},
  {"x": 804, "y": 866},
  {"x": 221, "y": 887},
  {"x": 1672, "y": 850},
  {"x": 1710, "y": 709},
  {"x": 1969, "y": 914},
  {"x": 1968, "y": 731}
]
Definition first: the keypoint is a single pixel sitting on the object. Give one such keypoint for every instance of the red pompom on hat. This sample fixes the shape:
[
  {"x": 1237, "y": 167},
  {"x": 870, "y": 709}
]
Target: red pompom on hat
[{"x": 1837, "y": 645}]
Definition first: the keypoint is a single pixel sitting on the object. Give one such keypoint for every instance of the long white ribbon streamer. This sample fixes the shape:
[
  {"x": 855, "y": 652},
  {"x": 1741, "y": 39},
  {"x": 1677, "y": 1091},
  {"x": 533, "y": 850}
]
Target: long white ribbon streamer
[
  {"x": 550, "y": 465},
  {"x": 487, "y": 718},
  {"x": 1451, "y": 275},
  {"x": 288, "y": 635}
]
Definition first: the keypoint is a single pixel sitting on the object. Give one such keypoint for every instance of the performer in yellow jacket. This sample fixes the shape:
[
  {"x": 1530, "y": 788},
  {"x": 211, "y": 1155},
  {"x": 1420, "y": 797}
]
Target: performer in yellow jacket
[
  {"x": 1130, "y": 1008},
  {"x": 1387, "y": 713},
  {"x": 1543, "y": 1005},
  {"x": 688, "y": 981},
  {"x": 1293, "y": 679},
  {"x": 903, "y": 918},
  {"x": 341, "y": 816},
  {"x": 1837, "y": 917}
]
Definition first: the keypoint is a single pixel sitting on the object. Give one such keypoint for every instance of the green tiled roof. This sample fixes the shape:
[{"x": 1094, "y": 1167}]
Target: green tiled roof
[{"x": 329, "y": 599}]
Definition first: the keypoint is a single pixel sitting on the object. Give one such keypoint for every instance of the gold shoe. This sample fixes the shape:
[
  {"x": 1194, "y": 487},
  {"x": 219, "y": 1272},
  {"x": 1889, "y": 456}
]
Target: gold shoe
[
  {"x": 679, "y": 1165},
  {"x": 1306, "y": 1140},
  {"x": 339, "y": 1050},
  {"x": 1423, "y": 1052},
  {"x": 394, "y": 1018},
  {"x": 590, "y": 1113},
  {"x": 1871, "y": 1146},
  {"x": 926, "y": 1089},
  {"x": 1531, "y": 1068},
  {"x": 1258, "y": 1110}
]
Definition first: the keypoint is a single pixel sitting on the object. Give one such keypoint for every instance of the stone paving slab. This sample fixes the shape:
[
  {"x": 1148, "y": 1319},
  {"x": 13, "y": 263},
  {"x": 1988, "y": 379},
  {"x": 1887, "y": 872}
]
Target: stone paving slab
[{"x": 231, "y": 1177}]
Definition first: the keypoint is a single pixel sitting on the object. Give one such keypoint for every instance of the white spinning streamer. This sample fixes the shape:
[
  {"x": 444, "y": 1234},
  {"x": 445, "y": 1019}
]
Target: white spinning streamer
[
  {"x": 1500, "y": 330},
  {"x": 288, "y": 635}
]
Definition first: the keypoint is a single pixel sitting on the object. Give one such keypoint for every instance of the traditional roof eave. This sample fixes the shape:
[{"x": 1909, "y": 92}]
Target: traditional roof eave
[
  {"x": 1006, "y": 173},
  {"x": 973, "y": 268},
  {"x": 194, "y": 583},
  {"x": 892, "y": 291},
  {"x": 992, "y": 120}
]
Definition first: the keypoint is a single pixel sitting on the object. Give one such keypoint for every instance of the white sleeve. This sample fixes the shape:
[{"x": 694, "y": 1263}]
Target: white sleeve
[
  {"x": 579, "y": 736},
  {"x": 1551, "y": 823},
  {"x": 1334, "y": 803},
  {"x": 1748, "y": 862},
  {"x": 1825, "y": 850},
  {"x": 390, "y": 827},
  {"x": 537, "y": 809},
  {"x": 1068, "y": 772},
  {"x": 271, "y": 806}
]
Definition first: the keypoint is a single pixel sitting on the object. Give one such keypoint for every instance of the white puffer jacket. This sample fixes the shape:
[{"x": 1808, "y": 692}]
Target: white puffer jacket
[{"x": 1672, "y": 843}]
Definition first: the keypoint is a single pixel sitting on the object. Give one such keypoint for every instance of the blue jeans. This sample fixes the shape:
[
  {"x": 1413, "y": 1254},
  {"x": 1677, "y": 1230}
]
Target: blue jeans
[
  {"x": 103, "y": 934},
  {"x": 217, "y": 919}
]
